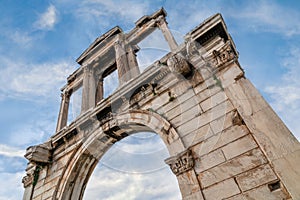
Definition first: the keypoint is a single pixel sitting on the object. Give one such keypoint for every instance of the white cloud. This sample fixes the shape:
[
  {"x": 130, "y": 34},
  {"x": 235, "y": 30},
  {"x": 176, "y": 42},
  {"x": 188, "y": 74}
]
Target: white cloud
[
  {"x": 133, "y": 169},
  {"x": 184, "y": 16},
  {"x": 113, "y": 185},
  {"x": 21, "y": 38},
  {"x": 48, "y": 19},
  {"x": 149, "y": 150},
  {"x": 286, "y": 94},
  {"x": 8, "y": 151},
  {"x": 11, "y": 187},
  {"x": 23, "y": 80},
  {"x": 269, "y": 17},
  {"x": 105, "y": 10}
]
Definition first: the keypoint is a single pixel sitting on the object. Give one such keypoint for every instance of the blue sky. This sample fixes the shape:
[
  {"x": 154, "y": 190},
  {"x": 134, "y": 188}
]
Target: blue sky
[{"x": 40, "y": 41}]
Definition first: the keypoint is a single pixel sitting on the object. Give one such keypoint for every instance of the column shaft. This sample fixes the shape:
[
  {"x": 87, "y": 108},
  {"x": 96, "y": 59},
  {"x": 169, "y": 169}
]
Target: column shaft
[
  {"x": 63, "y": 112},
  {"x": 162, "y": 24},
  {"x": 89, "y": 89},
  {"x": 132, "y": 62},
  {"x": 99, "y": 91},
  {"x": 122, "y": 62}
]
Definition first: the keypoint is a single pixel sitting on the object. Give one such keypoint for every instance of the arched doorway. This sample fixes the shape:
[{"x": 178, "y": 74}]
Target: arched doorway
[
  {"x": 134, "y": 168},
  {"x": 96, "y": 144}
]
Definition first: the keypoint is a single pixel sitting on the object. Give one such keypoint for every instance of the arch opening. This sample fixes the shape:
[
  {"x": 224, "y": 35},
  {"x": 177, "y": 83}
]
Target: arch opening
[
  {"x": 133, "y": 169},
  {"x": 86, "y": 158}
]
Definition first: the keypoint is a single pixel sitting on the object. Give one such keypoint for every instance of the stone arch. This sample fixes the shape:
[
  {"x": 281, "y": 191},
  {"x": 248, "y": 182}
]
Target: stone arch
[{"x": 84, "y": 160}]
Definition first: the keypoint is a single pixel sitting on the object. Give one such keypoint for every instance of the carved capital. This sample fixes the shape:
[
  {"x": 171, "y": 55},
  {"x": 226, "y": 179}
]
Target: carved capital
[
  {"x": 66, "y": 95},
  {"x": 88, "y": 69},
  {"x": 161, "y": 20},
  {"x": 181, "y": 163}
]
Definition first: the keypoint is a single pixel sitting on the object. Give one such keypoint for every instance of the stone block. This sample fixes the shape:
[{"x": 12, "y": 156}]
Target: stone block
[
  {"x": 200, "y": 88},
  {"x": 48, "y": 193},
  {"x": 236, "y": 197},
  {"x": 197, "y": 136},
  {"x": 209, "y": 160},
  {"x": 175, "y": 147},
  {"x": 188, "y": 183},
  {"x": 230, "y": 75},
  {"x": 182, "y": 107},
  {"x": 222, "y": 122},
  {"x": 239, "y": 147},
  {"x": 230, "y": 134},
  {"x": 263, "y": 192},
  {"x": 232, "y": 167},
  {"x": 208, "y": 92},
  {"x": 213, "y": 142},
  {"x": 256, "y": 177},
  {"x": 221, "y": 190},
  {"x": 289, "y": 175},
  {"x": 179, "y": 99},
  {"x": 195, "y": 196},
  {"x": 213, "y": 101},
  {"x": 186, "y": 115},
  {"x": 205, "y": 118}
]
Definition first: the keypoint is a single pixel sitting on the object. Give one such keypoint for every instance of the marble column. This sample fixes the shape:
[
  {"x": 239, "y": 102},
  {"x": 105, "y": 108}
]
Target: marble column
[
  {"x": 163, "y": 26},
  {"x": 132, "y": 62},
  {"x": 88, "y": 89},
  {"x": 122, "y": 62},
  {"x": 99, "y": 91},
  {"x": 64, "y": 109}
]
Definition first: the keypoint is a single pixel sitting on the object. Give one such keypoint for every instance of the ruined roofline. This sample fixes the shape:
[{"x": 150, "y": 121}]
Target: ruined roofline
[
  {"x": 205, "y": 30},
  {"x": 114, "y": 31},
  {"x": 207, "y": 24},
  {"x": 143, "y": 28},
  {"x": 146, "y": 18}
]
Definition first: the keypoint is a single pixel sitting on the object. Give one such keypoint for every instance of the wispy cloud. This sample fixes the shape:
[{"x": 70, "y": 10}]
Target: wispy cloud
[
  {"x": 134, "y": 167},
  {"x": 48, "y": 19},
  {"x": 113, "y": 185},
  {"x": 27, "y": 80},
  {"x": 286, "y": 94},
  {"x": 8, "y": 151},
  {"x": 11, "y": 187},
  {"x": 21, "y": 38},
  {"x": 104, "y": 11},
  {"x": 268, "y": 17}
]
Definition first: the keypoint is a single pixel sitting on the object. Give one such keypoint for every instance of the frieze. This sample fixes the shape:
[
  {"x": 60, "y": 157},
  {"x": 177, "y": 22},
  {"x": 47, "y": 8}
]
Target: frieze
[{"x": 223, "y": 55}]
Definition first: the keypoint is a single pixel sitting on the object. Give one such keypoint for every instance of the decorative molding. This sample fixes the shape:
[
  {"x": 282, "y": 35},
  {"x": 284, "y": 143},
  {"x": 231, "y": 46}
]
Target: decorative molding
[
  {"x": 223, "y": 55},
  {"x": 178, "y": 64},
  {"x": 39, "y": 154},
  {"x": 27, "y": 180},
  {"x": 182, "y": 162}
]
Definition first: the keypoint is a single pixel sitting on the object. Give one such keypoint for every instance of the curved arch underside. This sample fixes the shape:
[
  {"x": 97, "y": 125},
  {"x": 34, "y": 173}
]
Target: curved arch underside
[{"x": 79, "y": 170}]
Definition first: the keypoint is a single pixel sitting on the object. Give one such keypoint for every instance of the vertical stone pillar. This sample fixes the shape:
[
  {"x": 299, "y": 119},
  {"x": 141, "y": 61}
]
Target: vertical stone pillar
[
  {"x": 88, "y": 89},
  {"x": 163, "y": 26},
  {"x": 99, "y": 91},
  {"x": 122, "y": 62},
  {"x": 64, "y": 109},
  {"x": 132, "y": 62}
]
